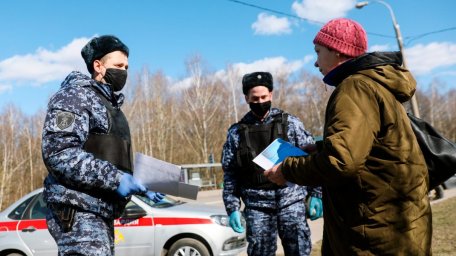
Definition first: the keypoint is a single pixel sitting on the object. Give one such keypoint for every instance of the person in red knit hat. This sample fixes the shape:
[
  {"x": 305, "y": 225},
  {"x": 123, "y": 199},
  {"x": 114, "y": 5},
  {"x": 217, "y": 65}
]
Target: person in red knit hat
[{"x": 369, "y": 165}]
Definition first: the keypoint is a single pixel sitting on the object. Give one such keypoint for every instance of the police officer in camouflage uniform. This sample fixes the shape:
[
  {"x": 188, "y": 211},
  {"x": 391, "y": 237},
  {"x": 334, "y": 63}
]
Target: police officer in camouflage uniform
[
  {"x": 86, "y": 148},
  {"x": 269, "y": 208}
]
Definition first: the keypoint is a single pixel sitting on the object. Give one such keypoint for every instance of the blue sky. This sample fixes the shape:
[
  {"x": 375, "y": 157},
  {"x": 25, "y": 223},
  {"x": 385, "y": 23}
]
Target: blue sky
[{"x": 41, "y": 40}]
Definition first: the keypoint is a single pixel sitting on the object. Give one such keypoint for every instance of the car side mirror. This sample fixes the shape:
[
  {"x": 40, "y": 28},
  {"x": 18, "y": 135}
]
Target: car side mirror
[{"x": 134, "y": 212}]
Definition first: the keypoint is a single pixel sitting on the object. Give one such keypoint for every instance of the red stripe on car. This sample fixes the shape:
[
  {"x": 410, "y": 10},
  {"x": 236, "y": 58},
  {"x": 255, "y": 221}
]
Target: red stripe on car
[
  {"x": 180, "y": 221},
  {"x": 164, "y": 221},
  {"x": 38, "y": 224},
  {"x": 8, "y": 226}
]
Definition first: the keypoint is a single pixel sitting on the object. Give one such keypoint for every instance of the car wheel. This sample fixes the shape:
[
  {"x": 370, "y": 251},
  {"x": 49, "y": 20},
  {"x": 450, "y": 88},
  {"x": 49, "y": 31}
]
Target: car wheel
[
  {"x": 15, "y": 254},
  {"x": 188, "y": 246}
]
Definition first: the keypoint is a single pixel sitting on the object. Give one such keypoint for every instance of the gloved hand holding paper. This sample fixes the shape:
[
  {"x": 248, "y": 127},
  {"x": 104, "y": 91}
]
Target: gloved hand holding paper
[{"x": 160, "y": 176}]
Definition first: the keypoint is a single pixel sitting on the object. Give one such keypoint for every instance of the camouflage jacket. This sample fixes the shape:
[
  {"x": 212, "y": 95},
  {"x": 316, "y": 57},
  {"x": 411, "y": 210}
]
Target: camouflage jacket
[
  {"x": 75, "y": 176},
  {"x": 275, "y": 198}
]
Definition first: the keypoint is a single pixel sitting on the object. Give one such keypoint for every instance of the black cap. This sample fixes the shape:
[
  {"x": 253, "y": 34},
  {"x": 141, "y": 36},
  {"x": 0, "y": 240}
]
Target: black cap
[
  {"x": 98, "y": 47},
  {"x": 256, "y": 79}
]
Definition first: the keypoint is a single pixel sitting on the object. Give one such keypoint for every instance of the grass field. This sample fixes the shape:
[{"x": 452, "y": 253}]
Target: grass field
[
  {"x": 444, "y": 229},
  {"x": 444, "y": 225}
]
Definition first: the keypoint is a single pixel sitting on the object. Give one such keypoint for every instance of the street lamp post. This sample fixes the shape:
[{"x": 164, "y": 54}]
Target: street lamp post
[{"x": 360, "y": 5}]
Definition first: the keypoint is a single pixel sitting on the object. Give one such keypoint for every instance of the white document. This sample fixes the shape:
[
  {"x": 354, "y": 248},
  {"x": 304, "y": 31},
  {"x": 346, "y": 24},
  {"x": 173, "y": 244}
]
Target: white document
[
  {"x": 276, "y": 152},
  {"x": 160, "y": 176}
]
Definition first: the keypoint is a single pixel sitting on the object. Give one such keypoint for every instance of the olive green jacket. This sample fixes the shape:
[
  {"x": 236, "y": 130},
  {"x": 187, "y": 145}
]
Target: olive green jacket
[{"x": 372, "y": 171}]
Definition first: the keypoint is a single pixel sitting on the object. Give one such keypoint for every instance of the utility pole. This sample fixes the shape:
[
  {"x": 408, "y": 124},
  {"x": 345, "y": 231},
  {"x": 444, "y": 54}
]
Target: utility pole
[{"x": 360, "y": 5}]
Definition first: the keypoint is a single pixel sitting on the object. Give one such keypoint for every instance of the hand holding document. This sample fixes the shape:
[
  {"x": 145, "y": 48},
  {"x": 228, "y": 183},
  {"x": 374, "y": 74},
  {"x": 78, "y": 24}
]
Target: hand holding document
[
  {"x": 275, "y": 153},
  {"x": 160, "y": 176}
]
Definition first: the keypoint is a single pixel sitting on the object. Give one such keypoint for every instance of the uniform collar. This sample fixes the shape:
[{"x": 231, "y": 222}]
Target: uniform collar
[
  {"x": 77, "y": 78},
  {"x": 251, "y": 118}
]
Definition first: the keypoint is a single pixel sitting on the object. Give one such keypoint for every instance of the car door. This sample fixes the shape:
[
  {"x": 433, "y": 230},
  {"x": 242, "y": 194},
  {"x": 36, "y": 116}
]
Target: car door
[
  {"x": 32, "y": 229},
  {"x": 134, "y": 232}
]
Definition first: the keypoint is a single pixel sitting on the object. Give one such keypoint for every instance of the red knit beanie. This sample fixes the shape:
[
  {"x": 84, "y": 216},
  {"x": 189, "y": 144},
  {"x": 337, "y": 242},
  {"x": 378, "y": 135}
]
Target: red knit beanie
[{"x": 344, "y": 36}]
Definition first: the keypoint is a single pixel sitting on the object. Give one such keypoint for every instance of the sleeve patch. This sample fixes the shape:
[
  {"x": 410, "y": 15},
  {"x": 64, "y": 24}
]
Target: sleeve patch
[{"x": 64, "y": 120}]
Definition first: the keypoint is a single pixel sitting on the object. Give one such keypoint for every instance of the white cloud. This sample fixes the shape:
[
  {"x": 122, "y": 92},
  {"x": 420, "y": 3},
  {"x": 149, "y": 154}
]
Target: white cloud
[
  {"x": 379, "y": 48},
  {"x": 5, "y": 88},
  {"x": 423, "y": 59},
  {"x": 44, "y": 65},
  {"x": 309, "y": 58},
  {"x": 322, "y": 10},
  {"x": 182, "y": 84},
  {"x": 271, "y": 25},
  {"x": 275, "y": 65},
  {"x": 446, "y": 73}
]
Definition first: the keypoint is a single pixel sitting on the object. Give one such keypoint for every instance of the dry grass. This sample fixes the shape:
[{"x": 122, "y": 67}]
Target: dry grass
[
  {"x": 444, "y": 229},
  {"x": 444, "y": 225},
  {"x": 316, "y": 249}
]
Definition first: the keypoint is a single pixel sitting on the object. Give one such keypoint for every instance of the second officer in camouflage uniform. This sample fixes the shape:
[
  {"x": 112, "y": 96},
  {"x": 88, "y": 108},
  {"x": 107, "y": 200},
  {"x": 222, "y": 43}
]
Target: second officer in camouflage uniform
[
  {"x": 86, "y": 149},
  {"x": 269, "y": 208}
]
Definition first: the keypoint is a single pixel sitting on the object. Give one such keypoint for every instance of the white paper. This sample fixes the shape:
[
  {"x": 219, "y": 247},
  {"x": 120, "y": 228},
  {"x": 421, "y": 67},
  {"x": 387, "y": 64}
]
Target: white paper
[
  {"x": 160, "y": 176},
  {"x": 276, "y": 152}
]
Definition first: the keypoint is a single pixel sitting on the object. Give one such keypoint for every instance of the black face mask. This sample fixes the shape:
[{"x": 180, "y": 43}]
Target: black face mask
[
  {"x": 116, "y": 78},
  {"x": 260, "y": 109}
]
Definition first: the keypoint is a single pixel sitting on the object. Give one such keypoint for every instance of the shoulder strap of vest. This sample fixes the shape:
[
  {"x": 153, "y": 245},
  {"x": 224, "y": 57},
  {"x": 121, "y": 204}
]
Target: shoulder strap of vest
[
  {"x": 281, "y": 125},
  {"x": 244, "y": 133}
]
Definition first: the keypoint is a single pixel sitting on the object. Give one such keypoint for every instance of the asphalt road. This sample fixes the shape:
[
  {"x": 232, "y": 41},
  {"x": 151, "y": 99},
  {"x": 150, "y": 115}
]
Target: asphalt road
[{"x": 214, "y": 197}]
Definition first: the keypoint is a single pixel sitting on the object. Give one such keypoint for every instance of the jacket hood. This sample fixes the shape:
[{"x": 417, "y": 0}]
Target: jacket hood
[
  {"x": 78, "y": 79},
  {"x": 385, "y": 68}
]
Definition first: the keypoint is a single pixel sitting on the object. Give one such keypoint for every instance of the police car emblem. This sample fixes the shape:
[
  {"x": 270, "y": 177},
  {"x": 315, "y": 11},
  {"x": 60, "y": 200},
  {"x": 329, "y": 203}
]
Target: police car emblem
[{"x": 64, "y": 120}]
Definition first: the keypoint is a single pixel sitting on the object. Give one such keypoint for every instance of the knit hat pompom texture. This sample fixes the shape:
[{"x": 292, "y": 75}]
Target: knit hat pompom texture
[
  {"x": 99, "y": 47},
  {"x": 344, "y": 36}
]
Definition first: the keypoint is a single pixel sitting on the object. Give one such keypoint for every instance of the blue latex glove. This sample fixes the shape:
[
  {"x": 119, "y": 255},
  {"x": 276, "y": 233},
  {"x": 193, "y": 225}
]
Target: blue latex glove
[
  {"x": 315, "y": 208},
  {"x": 129, "y": 186},
  {"x": 155, "y": 196},
  {"x": 235, "y": 222}
]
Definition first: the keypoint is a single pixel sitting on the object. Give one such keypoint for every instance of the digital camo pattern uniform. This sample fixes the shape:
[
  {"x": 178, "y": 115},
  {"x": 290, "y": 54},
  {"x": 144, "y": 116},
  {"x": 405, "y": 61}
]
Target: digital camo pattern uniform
[
  {"x": 269, "y": 211},
  {"x": 76, "y": 178},
  {"x": 87, "y": 237}
]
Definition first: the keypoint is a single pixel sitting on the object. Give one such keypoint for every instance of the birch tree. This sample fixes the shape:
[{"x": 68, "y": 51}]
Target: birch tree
[
  {"x": 234, "y": 81},
  {"x": 150, "y": 116},
  {"x": 201, "y": 103}
]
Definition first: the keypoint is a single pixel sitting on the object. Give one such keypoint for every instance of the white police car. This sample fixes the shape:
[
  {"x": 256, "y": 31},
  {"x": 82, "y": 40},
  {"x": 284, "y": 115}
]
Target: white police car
[{"x": 167, "y": 228}]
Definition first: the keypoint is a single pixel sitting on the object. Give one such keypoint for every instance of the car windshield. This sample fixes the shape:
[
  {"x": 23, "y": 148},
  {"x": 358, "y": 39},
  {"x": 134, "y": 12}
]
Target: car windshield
[{"x": 164, "y": 203}]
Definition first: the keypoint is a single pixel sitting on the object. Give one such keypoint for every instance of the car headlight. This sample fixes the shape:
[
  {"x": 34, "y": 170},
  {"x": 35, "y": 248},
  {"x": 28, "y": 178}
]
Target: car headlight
[{"x": 222, "y": 220}]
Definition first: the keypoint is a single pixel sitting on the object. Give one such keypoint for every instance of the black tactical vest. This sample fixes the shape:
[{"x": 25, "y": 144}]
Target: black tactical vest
[
  {"x": 253, "y": 140},
  {"x": 115, "y": 146}
]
